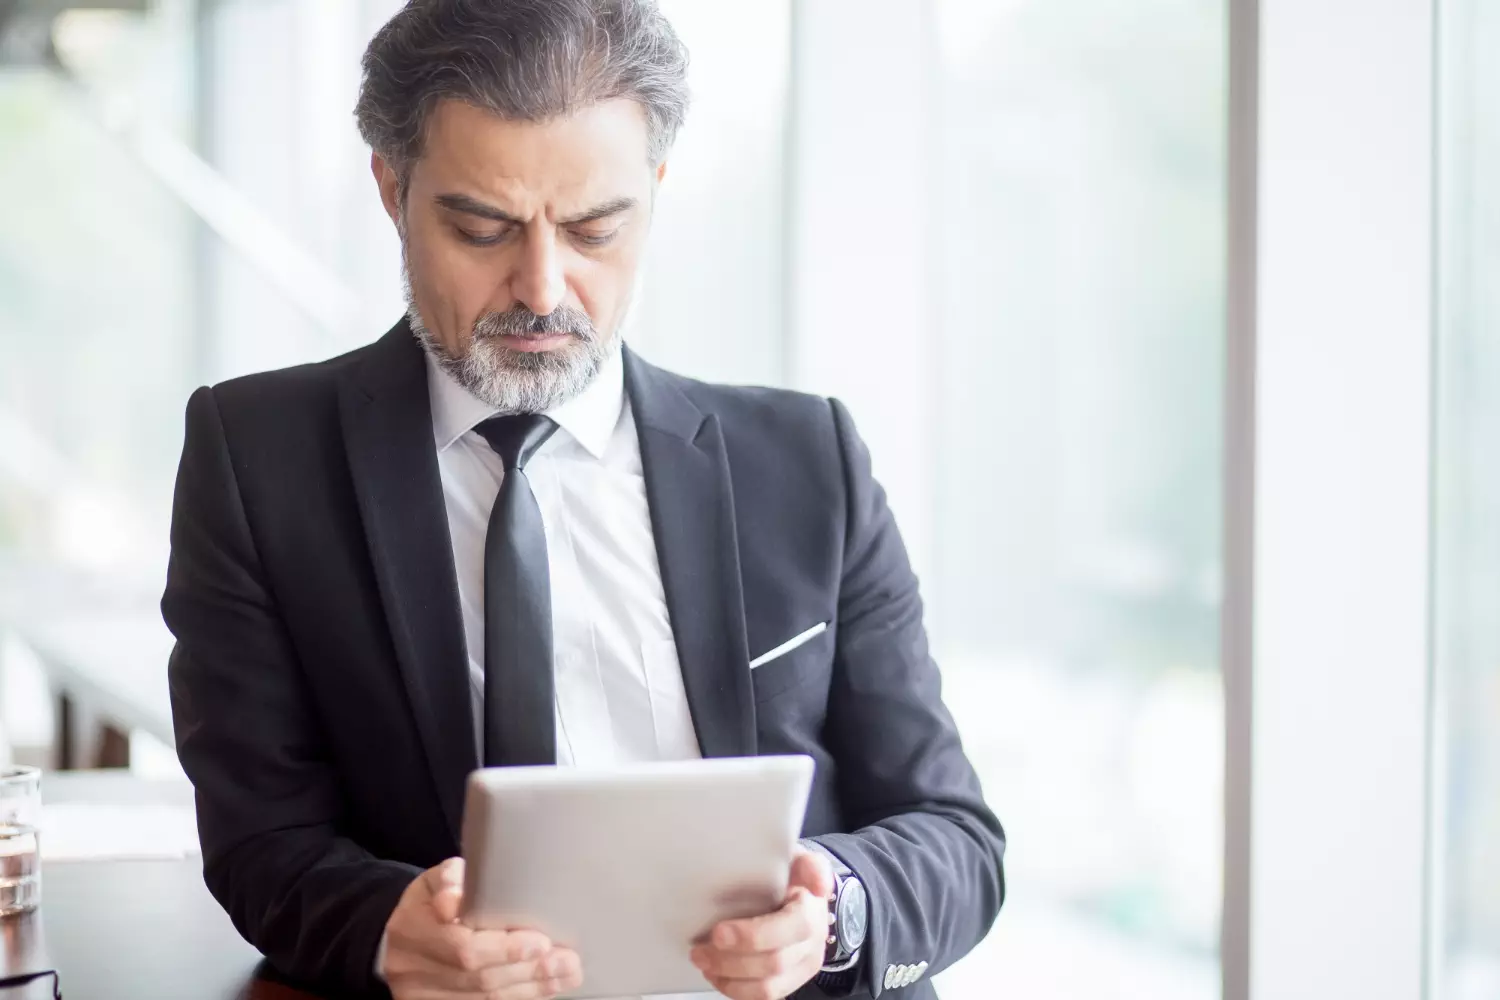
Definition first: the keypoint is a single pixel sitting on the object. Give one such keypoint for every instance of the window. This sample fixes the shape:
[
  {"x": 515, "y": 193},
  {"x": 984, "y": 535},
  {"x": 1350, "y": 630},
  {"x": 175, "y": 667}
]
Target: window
[
  {"x": 198, "y": 205},
  {"x": 130, "y": 273},
  {"x": 1076, "y": 575},
  {"x": 714, "y": 296},
  {"x": 97, "y": 339},
  {"x": 1467, "y": 496}
]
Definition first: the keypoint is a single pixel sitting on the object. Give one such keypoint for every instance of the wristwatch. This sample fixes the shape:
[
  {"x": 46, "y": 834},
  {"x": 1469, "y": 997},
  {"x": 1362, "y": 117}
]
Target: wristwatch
[{"x": 848, "y": 921}]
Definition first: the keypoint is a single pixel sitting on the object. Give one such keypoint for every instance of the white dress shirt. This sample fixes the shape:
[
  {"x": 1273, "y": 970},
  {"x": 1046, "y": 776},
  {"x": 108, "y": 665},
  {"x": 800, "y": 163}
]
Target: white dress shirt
[
  {"x": 619, "y": 688},
  {"x": 620, "y": 696}
]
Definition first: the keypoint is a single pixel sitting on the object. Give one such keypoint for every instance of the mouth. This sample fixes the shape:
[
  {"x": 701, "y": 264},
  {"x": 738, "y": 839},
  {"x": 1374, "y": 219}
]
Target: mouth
[{"x": 536, "y": 343}]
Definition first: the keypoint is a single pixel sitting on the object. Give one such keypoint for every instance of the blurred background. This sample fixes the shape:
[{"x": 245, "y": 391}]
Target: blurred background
[
  {"x": 186, "y": 200},
  {"x": 1466, "y": 582}
]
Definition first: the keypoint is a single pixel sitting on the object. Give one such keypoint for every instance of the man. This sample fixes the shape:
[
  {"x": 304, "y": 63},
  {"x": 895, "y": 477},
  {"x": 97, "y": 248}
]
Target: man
[{"x": 496, "y": 536}]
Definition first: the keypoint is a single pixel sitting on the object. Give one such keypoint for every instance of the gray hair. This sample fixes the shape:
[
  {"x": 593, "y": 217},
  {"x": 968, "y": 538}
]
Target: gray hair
[{"x": 522, "y": 60}]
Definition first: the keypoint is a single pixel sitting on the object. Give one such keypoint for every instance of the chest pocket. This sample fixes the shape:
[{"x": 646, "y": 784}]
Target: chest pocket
[{"x": 807, "y": 662}]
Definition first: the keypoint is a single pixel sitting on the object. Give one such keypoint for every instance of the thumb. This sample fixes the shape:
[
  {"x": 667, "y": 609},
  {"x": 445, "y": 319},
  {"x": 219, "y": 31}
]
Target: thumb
[
  {"x": 812, "y": 872},
  {"x": 440, "y": 877},
  {"x": 446, "y": 885},
  {"x": 447, "y": 903}
]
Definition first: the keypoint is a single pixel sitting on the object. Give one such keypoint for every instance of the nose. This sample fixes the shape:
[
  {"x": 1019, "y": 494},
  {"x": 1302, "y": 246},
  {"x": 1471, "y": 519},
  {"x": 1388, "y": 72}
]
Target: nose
[{"x": 538, "y": 283}]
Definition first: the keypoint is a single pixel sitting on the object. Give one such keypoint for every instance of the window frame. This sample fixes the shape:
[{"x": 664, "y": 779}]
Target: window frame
[
  {"x": 1330, "y": 433},
  {"x": 1328, "y": 440}
]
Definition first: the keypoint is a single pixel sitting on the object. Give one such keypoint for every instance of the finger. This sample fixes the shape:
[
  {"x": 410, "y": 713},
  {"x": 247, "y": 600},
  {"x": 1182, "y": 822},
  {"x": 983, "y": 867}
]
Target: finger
[
  {"x": 458, "y": 947},
  {"x": 756, "y": 965},
  {"x": 561, "y": 965},
  {"x": 802, "y": 917},
  {"x": 439, "y": 877},
  {"x": 813, "y": 872},
  {"x": 414, "y": 972},
  {"x": 420, "y": 933},
  {"x": 447, "y": 904},
  {"x": 803, "y": 965},
  {"x": 407, "y": 971},
  {"x": 524, "y": 991},
  {"x": 442, "y": 885},
  {"x": 539, "y": 989},
  {"x": 745, "y": 989},
  {"x": 488, "y": 949},
  {"x": 536, "y": 991},
  {"x": 528, "y": 962}
]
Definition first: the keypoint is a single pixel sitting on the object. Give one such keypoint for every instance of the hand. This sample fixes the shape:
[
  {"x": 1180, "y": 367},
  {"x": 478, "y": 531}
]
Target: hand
[
  {"x": 771, "y": 957},
  {"x": 431, "y": 956}
]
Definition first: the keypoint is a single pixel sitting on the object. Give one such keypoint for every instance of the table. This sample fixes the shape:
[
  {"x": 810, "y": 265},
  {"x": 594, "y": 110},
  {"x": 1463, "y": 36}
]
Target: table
[
  {"x": 113, "y": 815},
  {"x": 134, "y": 930}
]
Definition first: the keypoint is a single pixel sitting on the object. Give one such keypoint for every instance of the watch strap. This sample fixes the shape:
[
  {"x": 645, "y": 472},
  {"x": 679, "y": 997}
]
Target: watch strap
[
  {"x": 840, "y": 870},
  {"x": 837, "y": 970},
  {"x": 837, "y": 984}
]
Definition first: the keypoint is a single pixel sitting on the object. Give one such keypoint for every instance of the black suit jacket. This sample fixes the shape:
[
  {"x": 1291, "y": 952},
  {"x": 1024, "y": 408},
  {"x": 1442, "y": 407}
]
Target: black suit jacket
[{"x": 320, "y": 690}]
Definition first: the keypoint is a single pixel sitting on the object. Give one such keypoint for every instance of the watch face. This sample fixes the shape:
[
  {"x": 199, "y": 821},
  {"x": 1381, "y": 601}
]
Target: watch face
[{"x": 853, "y": 916}]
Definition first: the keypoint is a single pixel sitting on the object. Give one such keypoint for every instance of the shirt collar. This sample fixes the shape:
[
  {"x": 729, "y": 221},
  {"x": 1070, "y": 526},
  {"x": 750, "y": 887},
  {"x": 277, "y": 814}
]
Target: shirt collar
[{"x": 589, "y": 418}]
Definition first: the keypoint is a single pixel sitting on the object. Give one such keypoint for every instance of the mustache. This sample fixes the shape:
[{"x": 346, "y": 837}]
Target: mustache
[{"x": 522, "y": 322}]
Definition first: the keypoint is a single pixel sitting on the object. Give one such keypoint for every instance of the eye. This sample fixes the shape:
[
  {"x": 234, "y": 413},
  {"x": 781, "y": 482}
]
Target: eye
[
  {"x": 481, "y": 240},
  {"x": 595, "y": 239}
]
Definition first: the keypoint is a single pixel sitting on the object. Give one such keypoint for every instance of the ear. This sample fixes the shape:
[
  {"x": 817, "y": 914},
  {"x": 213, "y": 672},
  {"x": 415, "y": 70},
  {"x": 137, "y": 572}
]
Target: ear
[
  {"x": 661, "y": 172},
  {"x": 389, "y": 183}
]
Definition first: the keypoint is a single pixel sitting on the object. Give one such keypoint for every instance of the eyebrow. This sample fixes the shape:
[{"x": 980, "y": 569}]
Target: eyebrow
[{"x": 473, "y": 206}]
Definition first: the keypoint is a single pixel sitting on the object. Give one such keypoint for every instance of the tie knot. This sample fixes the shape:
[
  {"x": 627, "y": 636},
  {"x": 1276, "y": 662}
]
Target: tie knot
[{"x": 515, "y": 439}]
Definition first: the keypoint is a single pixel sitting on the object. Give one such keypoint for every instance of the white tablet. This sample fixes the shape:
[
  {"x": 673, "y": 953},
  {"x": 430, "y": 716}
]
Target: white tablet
[{"x": 630, "y": 866}]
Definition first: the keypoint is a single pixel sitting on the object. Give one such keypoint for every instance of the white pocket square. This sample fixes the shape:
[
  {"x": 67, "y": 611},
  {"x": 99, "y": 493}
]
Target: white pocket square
[{"x": 789, "y": 645}]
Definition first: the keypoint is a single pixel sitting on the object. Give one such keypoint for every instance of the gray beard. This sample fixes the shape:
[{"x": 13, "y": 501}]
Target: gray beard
[{"x": 513, "y": 382}]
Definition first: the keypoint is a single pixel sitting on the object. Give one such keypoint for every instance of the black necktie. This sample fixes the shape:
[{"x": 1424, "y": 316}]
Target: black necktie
[{"x": 518, "y": 689}]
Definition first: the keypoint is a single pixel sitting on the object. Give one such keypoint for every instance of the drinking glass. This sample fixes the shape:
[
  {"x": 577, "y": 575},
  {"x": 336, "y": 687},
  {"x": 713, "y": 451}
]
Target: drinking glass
[{"x": 20, "y": 812}]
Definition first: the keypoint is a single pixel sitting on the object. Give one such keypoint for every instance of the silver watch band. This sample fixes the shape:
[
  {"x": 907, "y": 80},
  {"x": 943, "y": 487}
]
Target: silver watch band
[{"x": 846, "y": 964}]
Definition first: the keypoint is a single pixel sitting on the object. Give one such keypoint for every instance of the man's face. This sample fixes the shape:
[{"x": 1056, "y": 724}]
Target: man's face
[{"x": 522, "y": 243}]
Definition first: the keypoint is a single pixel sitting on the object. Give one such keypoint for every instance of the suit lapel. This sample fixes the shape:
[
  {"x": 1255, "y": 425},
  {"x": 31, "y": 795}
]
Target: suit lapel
[
  {"x": 387, "y": 422},
  {"x": 692, "y": 517}
]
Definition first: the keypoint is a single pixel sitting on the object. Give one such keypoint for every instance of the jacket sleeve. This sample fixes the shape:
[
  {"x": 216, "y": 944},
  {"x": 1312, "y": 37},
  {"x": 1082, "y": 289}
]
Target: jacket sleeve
[
  {"x": 925, "y": 845},
  {"x": 268, "y": 801}
]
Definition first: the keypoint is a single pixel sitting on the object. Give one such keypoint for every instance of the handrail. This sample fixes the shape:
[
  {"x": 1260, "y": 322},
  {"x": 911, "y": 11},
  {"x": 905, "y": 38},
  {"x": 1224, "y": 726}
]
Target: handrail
[
  {"x": 27, "y": 457},
  {"x": 313, "y": 287}
]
